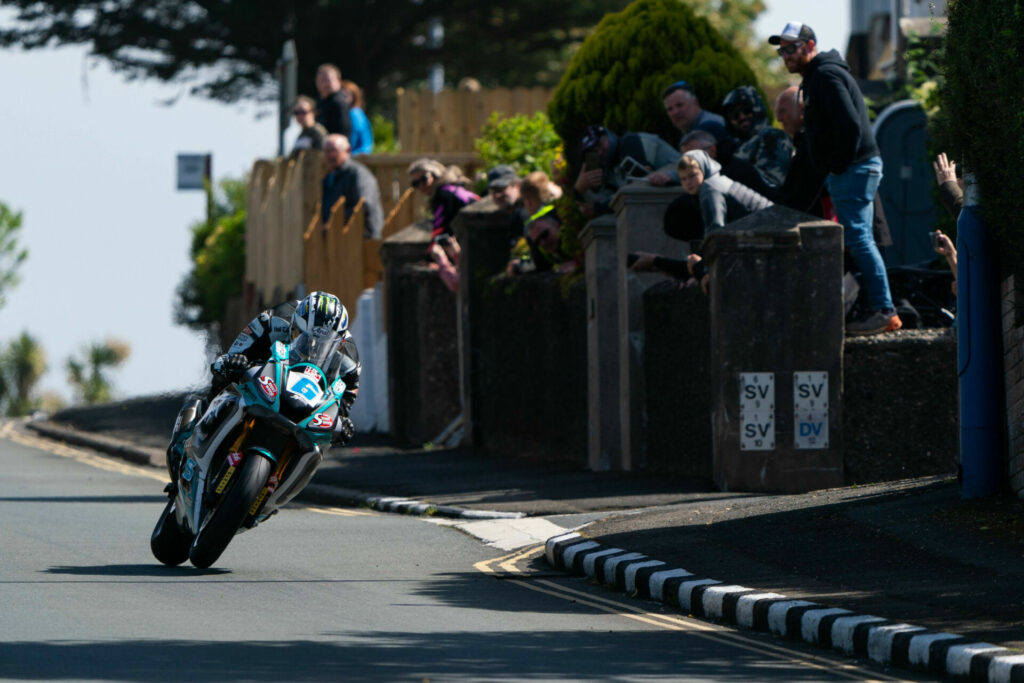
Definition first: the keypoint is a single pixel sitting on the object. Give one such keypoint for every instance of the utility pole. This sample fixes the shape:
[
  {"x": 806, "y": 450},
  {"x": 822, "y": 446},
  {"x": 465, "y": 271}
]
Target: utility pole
[{"x": 287, "y": 78}]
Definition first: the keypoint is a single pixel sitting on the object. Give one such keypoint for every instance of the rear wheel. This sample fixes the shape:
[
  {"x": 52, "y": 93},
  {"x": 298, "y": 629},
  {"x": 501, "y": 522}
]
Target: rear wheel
[
  {"x": 169, "y": 543},
  {"x": 222, "y": 525}
]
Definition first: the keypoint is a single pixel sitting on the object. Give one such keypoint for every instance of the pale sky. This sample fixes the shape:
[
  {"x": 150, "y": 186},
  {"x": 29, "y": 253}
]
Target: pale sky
[{"x": 89, "y": 159}]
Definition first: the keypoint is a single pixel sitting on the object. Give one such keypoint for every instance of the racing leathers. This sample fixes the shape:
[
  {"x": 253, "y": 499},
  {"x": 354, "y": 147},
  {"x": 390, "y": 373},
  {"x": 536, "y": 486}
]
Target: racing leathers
[{"x": 274, "y": 325}]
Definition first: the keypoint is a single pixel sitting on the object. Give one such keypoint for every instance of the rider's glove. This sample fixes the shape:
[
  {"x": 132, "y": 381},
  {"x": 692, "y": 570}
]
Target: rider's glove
[
  {"x": 343, "y": 431},
  {"x": 230, "y": 366}
]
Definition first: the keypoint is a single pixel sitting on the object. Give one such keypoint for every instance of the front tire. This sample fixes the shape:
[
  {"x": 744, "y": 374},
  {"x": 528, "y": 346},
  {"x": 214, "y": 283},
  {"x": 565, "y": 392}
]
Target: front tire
[
  {"x": 169, "y": 543},
  {"x": 221, "y": 527}
]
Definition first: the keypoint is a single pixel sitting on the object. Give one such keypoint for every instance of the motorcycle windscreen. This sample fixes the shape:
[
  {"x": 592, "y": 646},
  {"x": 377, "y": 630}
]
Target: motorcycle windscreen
[{"x": 316, "y": 346}]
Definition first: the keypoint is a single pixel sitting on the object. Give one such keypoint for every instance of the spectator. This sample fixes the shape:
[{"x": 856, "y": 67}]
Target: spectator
[
  {"x": 312, "y": 134},
  {"x": 350, "y": 179},
  {"x": 332, "y": 107},
  {"x": 804, "y": 188},
  {"x": 951, "y": 193},
  {"x": 445, "y": 253},
  {"x": 543, "y": 238},
  {"x": 446, "y": 188},
  {"x": 722, "y": 199},
  {"x": 610, "y": 162},
  {"x": 768, "y": 149},
  {"x": 503, "y": 184},
  {"x": 790, "y": 111},
  {"x": 733, "y": 167},
  {"x": 362, "y": 132},
  {"x": 944, "y": 246},
  {"x": 537, "y": 191},
  {"x": 688, "y": 271},
  {"x": 840, "y": 141},
  {"x": 684, "y": 110},
  {"x": 682, "y": 218}
]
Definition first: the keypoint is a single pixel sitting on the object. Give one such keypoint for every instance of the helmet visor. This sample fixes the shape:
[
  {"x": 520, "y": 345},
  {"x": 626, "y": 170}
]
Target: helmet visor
[{"x": 315, "y": 346}]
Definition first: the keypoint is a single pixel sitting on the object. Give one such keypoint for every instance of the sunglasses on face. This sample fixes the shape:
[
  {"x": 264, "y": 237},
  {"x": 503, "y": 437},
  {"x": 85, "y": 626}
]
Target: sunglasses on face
[
  {"x": 419, "y": 182},
  {"x": 789, "y": 49},
  {"x": 301, "y": 112},
  {"x": 742, "y": 112}
]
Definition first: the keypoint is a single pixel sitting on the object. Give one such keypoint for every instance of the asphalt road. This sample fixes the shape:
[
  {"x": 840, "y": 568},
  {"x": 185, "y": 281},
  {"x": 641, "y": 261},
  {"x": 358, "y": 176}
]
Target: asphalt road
[{"x": 317, "y": 594}]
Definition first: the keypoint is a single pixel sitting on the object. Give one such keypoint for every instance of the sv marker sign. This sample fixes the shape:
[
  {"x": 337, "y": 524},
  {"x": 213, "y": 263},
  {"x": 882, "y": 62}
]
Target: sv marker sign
[{"x": 757, "y": 411}]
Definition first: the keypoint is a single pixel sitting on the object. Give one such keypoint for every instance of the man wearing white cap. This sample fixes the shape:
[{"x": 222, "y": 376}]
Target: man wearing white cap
[{"x": 840, "y": 141}]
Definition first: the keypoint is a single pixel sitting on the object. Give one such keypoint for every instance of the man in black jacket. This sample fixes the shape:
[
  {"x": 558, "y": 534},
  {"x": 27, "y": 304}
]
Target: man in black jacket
[
  {"x": 333, "y": 105},
  {"x": 839, "y": 141}
]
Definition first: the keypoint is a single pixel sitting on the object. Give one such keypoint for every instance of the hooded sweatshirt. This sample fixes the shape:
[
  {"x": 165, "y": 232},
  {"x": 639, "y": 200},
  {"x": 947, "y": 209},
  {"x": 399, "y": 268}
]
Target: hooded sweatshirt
[
  {"x": 835, "y": 119},
  {"x": 722, "y": 199}
]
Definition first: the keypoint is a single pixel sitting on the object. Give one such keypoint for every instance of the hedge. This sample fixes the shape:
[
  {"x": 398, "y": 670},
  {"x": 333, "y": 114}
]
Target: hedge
[
  {"x": 620, "y": 71},
  {"x": 983, "y": 106}
]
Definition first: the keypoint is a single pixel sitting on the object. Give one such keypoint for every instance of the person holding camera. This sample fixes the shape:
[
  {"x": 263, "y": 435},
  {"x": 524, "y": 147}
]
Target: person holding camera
[
  {"x": 446, "y": 188},
  {"x": 609, "y": 162}
]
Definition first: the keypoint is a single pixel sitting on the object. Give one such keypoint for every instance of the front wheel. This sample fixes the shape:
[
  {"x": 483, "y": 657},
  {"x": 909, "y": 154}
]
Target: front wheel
[
  {"x": 169, "y": 543},
  {"x": 222, "y": 525}
]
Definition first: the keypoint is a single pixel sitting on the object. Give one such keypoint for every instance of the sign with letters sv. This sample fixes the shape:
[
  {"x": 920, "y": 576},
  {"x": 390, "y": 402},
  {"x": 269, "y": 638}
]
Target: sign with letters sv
[{"x": 757, "y": 411}]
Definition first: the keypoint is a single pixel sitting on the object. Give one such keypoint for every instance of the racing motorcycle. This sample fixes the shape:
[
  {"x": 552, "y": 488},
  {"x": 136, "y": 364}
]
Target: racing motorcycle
[{"x": 254, "y": 448}]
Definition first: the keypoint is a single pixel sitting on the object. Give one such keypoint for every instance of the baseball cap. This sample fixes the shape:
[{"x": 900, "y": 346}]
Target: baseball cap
[
  {"x": 794, "y": 31},
  {"x": 501, "y": 176}
]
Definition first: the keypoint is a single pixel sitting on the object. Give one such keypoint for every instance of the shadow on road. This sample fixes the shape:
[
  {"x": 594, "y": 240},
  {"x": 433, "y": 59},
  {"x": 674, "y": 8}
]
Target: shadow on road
[{"x": 393, "y": 656}]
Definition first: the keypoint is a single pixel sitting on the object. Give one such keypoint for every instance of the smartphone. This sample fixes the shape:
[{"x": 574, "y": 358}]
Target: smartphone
[
  {"x": 936, "y": 242},
  {"x": 631, "y": 259},
  {"x": 592, "y": 161}
]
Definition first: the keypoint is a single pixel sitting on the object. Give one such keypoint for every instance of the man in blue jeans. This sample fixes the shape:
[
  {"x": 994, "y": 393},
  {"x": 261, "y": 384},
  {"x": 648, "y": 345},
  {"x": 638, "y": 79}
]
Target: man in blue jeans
[{"x": 840, "y": 141}]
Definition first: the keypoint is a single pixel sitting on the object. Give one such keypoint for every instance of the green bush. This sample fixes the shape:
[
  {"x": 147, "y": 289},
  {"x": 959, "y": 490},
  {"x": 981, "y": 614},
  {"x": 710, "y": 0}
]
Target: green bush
[
  {"x": 526, "y": 143},
  {"x": 384, "y": 139},
  {"x": 218, "y": 259},
  {"x": 620, "y": 71},
  {"x": 983, "y": 111}
]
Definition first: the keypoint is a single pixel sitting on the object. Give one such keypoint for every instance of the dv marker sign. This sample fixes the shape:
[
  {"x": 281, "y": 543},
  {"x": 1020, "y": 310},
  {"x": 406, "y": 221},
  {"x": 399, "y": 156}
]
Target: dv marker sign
[{"x": 810, "y": 410}]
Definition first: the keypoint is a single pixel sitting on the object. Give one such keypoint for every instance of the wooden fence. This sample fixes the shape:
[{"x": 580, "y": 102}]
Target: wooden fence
[
  {"x": 287, "y": 246},
  {"x": 450, "y": 121}
]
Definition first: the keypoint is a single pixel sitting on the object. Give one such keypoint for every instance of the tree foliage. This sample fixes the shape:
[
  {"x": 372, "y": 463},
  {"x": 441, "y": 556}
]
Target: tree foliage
[
  {"x": 982, "y": 103},
  {"x": 22, "y": 364},
  {"x": 228, "y": 49},
  {"x": 88, "y": 373},
  {"x": 527, "y": 143},
  {"x": 218, "y": 259},
  {"x": 11, "y": 255},
  {"x": 620, "y": 71},
  {"x": 735, "y": 19}
]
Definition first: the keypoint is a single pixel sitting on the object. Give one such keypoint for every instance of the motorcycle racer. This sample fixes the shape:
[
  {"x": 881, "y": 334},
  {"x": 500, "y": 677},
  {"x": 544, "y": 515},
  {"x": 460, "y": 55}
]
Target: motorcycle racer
[{"x": 281, "y": 323}]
